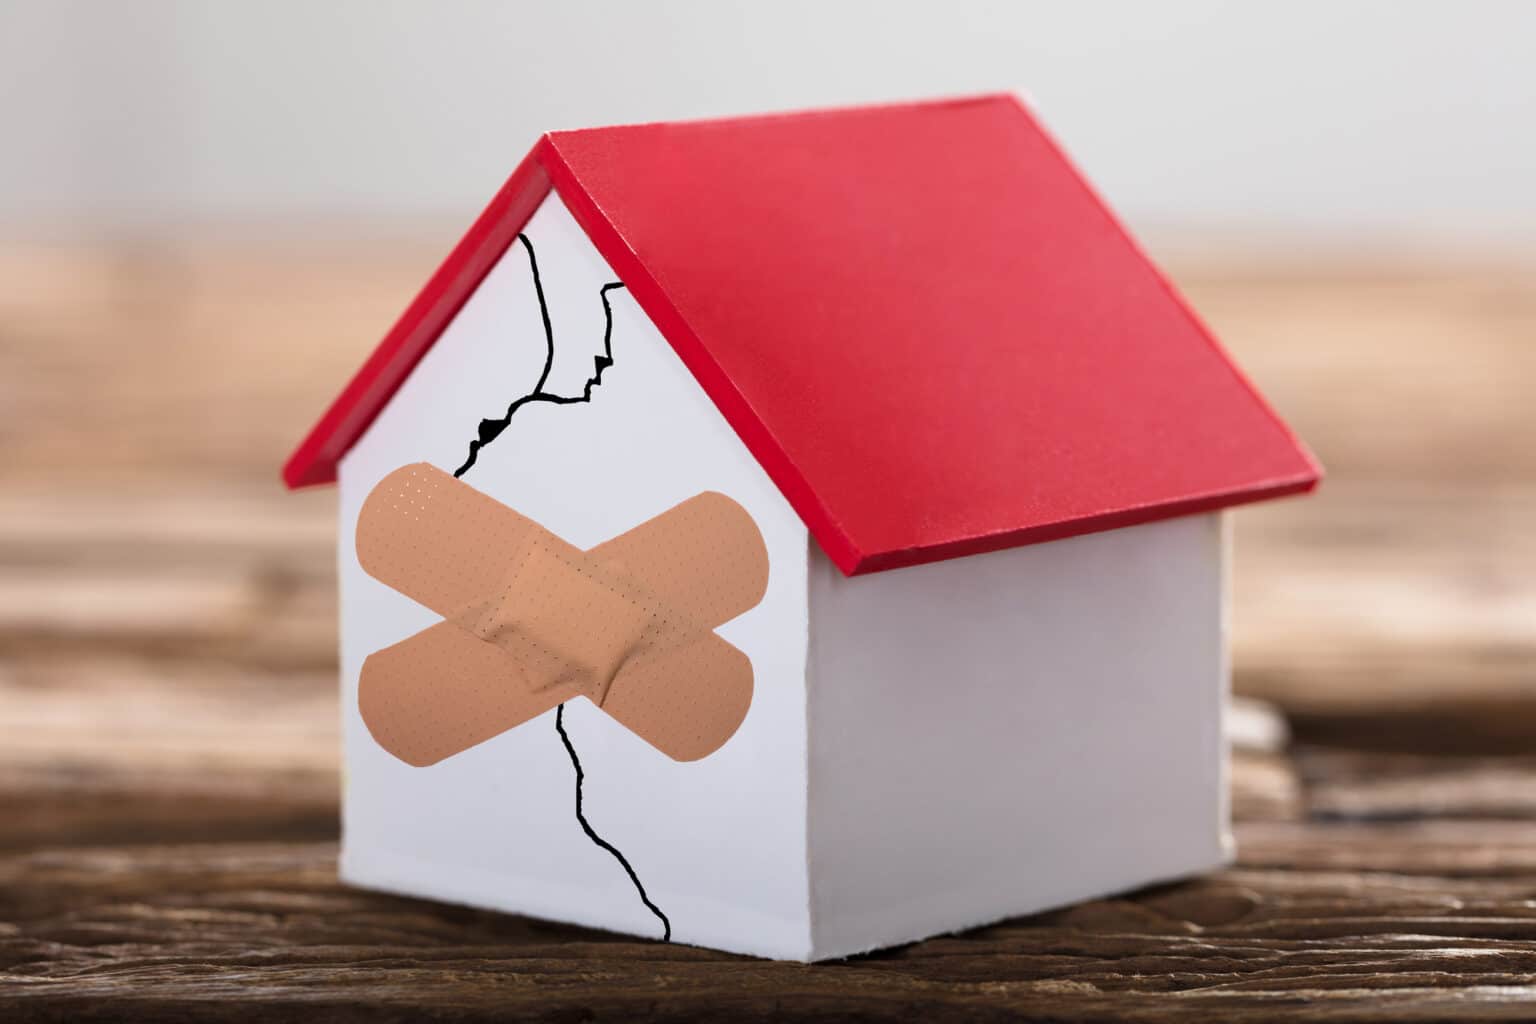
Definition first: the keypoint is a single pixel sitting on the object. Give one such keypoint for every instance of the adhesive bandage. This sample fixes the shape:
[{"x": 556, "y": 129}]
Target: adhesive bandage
[{"x": 531, "y": 621}]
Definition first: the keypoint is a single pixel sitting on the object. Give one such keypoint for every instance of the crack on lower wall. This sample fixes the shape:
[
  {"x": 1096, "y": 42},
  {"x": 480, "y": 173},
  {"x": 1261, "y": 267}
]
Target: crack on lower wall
[
  {"x": 488, "y": 431},
  {"x": 666, "y": 925}
]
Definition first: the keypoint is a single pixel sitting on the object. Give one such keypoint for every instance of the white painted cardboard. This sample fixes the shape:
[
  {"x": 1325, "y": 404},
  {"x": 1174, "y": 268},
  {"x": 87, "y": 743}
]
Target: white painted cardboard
[
  {"x": 927, "y": 748},
  {"x": 720, "y": 843},
  {"x": 996, "y": 735}
]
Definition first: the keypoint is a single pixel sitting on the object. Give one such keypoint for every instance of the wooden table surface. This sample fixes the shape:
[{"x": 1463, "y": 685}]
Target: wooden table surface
[{"x": 168, "y": 718}]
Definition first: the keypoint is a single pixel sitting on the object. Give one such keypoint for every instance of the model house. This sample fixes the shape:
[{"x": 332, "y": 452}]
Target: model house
[{"x": 794, "y": 535}]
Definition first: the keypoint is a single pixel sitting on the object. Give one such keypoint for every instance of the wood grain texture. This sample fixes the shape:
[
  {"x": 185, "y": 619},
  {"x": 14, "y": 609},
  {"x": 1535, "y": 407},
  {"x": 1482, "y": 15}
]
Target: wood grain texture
[
  {"x": 261, "y": 931},
  {"x": 169, "y": 732}
]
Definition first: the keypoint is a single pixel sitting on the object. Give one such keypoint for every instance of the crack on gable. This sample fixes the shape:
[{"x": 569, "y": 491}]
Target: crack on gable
[{"x": 488, "y": 431}]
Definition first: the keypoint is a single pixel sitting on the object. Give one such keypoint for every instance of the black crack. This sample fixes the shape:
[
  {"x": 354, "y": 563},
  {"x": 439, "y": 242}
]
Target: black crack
[{"x": 488, "y": 431}]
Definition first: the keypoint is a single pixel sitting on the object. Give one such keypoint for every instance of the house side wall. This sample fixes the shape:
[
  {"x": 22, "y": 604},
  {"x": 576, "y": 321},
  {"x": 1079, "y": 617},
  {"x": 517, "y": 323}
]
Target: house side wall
[
  {"x": 719, "y": 844},
  {"x": 995, "y": 735}
]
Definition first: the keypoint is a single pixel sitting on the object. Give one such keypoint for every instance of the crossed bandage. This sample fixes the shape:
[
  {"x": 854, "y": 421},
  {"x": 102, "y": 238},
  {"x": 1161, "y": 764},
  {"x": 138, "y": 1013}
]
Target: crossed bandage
[{"x": 530, "y": 621}]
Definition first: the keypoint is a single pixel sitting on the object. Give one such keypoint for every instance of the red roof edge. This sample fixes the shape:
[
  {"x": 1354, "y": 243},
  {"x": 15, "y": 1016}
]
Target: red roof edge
[
  {"x": 314, "y": 460},
  {"x": 1301, "y": 484},
  {"x": 653, "y": 300},
  {"x": 354, "y": 409}
]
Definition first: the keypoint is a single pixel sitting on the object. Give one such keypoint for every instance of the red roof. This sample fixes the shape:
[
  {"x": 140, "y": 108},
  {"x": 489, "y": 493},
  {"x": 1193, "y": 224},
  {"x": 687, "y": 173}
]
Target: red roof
[{"x": 920, "y": 319}]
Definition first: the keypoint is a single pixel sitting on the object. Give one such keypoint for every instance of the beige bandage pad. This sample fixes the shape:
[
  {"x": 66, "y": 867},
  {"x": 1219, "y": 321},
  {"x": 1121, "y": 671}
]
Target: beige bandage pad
[{"x": 531, "y": 621}]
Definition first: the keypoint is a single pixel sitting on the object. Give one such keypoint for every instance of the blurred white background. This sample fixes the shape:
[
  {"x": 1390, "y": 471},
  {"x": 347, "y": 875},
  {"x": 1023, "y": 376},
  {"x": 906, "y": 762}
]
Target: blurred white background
[{"x": 1356, "y": 123}]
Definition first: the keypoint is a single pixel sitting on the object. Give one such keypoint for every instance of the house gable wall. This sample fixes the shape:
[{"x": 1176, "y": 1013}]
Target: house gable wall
[{"x": 719, "y": 844}]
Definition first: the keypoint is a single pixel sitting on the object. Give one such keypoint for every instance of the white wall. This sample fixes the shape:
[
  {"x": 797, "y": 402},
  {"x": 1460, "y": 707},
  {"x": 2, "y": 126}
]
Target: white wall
[
  {"x": 1000, "y": 734},
  {"x": 718, "y": 843},
  {"x": 1327, "y": 118}
]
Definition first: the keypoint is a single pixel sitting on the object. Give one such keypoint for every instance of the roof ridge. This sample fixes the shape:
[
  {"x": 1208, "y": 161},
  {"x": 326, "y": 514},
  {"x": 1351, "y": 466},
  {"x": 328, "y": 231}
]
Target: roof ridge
[{"x": 818, "y": 113}]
